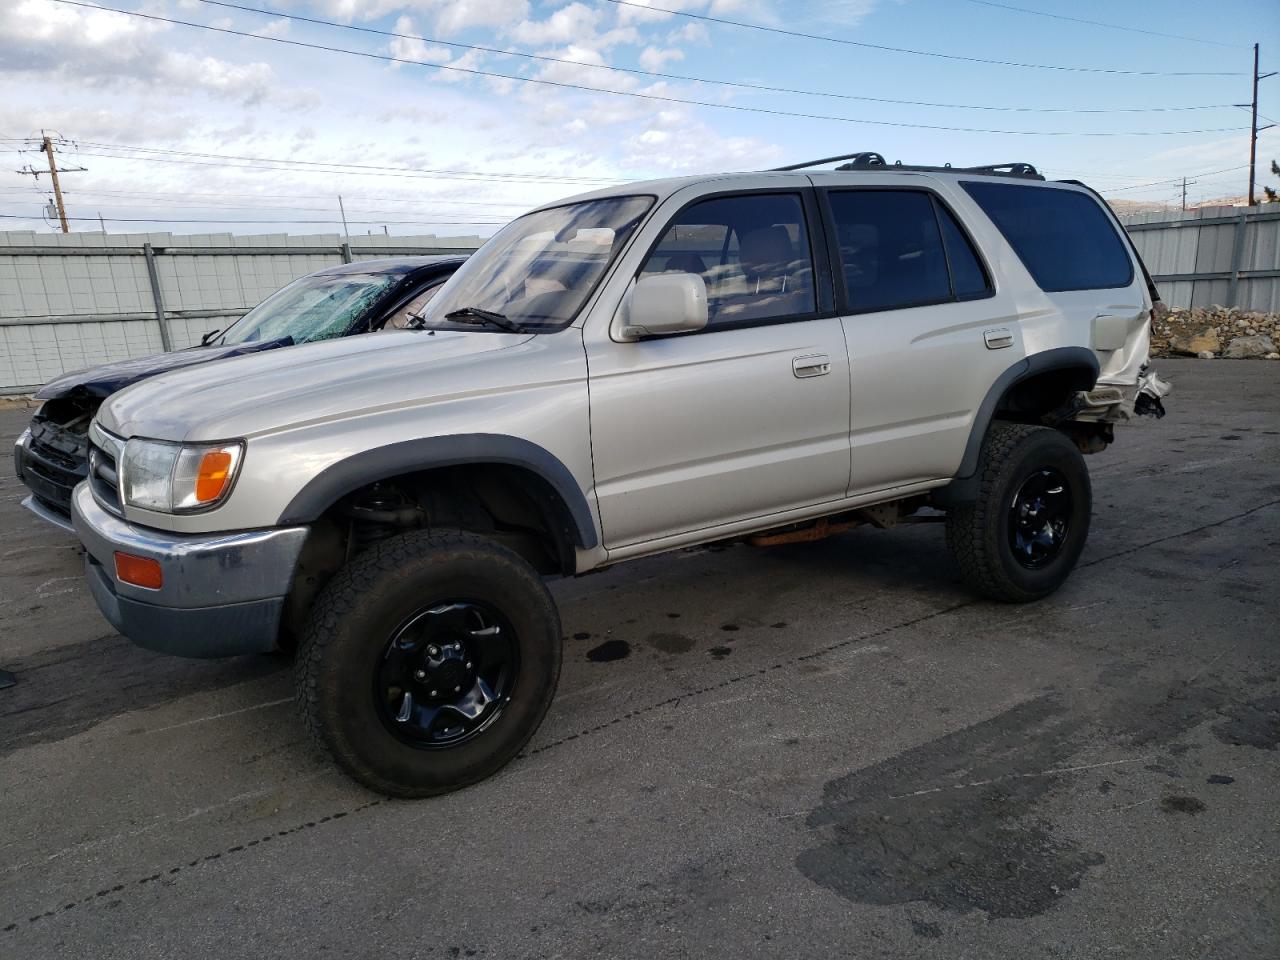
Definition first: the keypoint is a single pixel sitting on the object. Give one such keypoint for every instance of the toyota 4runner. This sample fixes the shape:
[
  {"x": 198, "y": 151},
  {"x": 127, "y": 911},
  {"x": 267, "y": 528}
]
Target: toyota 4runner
[{"x": 768, "y": 356}]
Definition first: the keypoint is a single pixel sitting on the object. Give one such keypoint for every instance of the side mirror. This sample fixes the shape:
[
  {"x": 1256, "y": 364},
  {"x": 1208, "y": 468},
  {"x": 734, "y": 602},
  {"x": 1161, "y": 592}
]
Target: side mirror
[{"x": 665, "y": 303}]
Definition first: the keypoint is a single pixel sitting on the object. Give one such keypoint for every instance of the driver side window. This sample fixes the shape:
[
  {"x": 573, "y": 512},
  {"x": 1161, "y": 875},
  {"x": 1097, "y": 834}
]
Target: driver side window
[{"x": 752, "y": 251}]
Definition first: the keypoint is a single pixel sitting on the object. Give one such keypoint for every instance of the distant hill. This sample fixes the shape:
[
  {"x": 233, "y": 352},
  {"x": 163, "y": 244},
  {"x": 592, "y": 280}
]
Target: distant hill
[
  {"x": 1239, "y": 201},
  {"x": 1122, "y": 207}
]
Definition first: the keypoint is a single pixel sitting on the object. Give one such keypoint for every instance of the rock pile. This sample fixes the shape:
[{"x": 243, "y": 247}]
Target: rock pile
[{"x": 1208, "y": 332}]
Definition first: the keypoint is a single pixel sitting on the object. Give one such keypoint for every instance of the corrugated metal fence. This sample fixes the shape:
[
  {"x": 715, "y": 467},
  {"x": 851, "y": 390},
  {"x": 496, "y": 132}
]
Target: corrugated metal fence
[
  {"x": 1215, "y": 255},
  {"x": 76, "y": 300}
]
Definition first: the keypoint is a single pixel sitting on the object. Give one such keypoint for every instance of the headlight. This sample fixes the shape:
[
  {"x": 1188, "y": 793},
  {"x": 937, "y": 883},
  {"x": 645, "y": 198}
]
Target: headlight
[{"x": 177, "y": 478}]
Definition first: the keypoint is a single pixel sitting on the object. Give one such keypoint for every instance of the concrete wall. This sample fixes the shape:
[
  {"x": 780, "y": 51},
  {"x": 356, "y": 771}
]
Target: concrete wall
[{"x": 69, "y": 301}]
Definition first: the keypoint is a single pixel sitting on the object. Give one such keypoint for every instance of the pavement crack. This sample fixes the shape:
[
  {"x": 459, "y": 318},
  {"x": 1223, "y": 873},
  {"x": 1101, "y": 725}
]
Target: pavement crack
[
  {"x": 1174, "y": 536},
  {"x": 14, "y": 925},
  {"x": 1055, "y": 772}
]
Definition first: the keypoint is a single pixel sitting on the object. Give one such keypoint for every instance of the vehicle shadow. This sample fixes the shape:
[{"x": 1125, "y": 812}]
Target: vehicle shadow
[{"x": 67, "y": 690}]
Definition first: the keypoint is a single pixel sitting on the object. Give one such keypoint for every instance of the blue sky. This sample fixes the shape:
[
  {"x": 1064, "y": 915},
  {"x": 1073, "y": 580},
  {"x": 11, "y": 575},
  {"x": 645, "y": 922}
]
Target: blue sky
[{"x": 497, "y": 146}]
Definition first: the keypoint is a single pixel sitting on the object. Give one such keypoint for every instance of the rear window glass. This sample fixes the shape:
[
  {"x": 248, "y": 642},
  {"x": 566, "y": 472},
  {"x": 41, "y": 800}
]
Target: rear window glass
[
  {"x": 1063, "y": 238},
  {"x": 890, "y": 249}
]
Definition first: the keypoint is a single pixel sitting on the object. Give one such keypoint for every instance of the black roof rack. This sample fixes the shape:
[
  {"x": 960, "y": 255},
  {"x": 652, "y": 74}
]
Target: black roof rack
[{"x": 868, "y": 160}]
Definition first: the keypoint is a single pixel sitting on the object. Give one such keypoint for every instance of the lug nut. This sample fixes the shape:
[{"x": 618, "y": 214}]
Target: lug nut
[
  {"x": 468, "y": 664},
  {"x": 433, "y": 651},
  {"x": 419, "y": 674},
  {"x": 435, "y": 693},
  {"x": 457, "y": 689}
]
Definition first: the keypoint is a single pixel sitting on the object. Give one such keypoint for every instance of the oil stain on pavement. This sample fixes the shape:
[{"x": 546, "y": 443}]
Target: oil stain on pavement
[
  {"x": 608, "y": 651},
  {"x": 954, "y": 822},
  {"x": 897, "y": 837}
]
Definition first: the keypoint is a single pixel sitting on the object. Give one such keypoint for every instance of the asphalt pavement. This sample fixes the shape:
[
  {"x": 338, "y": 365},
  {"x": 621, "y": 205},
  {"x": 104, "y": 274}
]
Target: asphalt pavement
[{"x": 808, "y": 751}]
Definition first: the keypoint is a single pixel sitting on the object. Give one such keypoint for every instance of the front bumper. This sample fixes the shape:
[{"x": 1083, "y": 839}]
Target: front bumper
[{"x": 222, "y": 593}]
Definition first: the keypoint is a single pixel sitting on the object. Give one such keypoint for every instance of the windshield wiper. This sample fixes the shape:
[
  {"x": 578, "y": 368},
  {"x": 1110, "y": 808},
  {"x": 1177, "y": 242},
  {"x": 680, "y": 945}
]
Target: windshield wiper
[{"x": 479, "y": 315}]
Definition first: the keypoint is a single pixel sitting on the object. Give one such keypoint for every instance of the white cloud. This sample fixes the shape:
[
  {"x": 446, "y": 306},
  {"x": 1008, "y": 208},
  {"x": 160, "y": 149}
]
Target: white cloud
[
  {"x": 574, "y": 22},
  {"x": 455, "y": 17},
  {"x": 446, "y": 16},
  {"x": 103, "y": 48},
  {"x": 409, "y": 48},
  {"x": 655, "y": 59},
  {"x": 276, "y": 28},
  {"x": 691, "y": 32}
]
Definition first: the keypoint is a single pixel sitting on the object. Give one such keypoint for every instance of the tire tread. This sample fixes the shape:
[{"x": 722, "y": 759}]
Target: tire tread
[
  {"x": 970, "y": 526},
  {"x": 342, "y": 594}
]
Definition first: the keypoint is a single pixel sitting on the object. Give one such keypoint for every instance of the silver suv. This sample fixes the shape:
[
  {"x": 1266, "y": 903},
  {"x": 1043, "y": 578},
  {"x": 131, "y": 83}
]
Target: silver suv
[{"x": 767, "y": 356}]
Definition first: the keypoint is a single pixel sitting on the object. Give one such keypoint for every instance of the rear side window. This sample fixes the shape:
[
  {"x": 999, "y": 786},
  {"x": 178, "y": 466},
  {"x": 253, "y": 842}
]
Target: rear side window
[
  {"x": 1063, "y": 238},
  {"x": 895, "y": 251},
  {"x": 968, "y": 278}
]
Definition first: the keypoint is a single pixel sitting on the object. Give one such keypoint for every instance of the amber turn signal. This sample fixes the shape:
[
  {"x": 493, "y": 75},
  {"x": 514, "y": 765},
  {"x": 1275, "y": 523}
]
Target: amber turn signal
[
  {"x": 211, "y": 480},
  {"x": 139, "y": 571}
]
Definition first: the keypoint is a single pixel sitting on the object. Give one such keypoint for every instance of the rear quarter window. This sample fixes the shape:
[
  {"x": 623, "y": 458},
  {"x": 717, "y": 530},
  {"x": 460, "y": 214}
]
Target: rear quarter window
[{"x": 1064, "y": 238}]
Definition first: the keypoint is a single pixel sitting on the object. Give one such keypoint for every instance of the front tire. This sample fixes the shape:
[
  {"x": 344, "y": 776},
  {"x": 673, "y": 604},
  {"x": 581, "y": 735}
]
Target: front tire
[
  {"x": 1021, "y": 538},
  {"x": 428, "y": 662}
]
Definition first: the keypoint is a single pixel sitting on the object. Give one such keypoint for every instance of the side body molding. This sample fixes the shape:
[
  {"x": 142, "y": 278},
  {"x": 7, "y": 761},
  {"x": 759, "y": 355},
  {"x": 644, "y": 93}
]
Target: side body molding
[
  {"x": 427, "y": 453},
  {"x": 1059, "y": 358}
]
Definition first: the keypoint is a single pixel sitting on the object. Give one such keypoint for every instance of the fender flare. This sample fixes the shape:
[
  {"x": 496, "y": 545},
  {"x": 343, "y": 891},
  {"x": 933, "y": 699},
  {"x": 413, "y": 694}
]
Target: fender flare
[
  {"x": 1057, "y": 358},
  {"x": 410, "y": 456}
]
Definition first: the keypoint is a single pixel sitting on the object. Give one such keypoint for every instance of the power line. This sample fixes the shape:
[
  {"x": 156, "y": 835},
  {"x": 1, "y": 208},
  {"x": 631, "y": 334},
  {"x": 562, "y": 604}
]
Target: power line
[
  {"x": 413, "y": 223},
  {"x": 279, "y": 167},
  {"x": 285, "y": 166},
  {"x": 1158, "y": 183},
  {"x": 907, "y": 50},
  {"x": 309, "y": 210},
  {"x": 184, "y": 194},
  {"x": 1099, "y": 23},
  {"x": 763, "y": 88},
  {"x": 653, "y": 97},
  {"x": 521, "y": 177}
]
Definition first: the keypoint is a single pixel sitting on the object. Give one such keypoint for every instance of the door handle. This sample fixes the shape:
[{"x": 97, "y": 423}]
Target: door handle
[
  {"x": 998, "y": 337},
  {"x": 817, "y": 365}
]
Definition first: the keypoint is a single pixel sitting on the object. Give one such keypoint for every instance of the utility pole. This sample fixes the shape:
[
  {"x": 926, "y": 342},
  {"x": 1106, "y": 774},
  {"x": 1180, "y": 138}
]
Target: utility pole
[
  {"x": 1253, "y": 132},
  {"x": 47, "y": 147},
  {"x": 343, "y": 210},
  {"x": 1184, "y": 194}
]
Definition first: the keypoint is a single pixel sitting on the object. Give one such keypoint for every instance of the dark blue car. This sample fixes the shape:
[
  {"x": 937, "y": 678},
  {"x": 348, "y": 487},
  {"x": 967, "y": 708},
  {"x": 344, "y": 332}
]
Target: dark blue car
[{"x": 51, "y": 456}]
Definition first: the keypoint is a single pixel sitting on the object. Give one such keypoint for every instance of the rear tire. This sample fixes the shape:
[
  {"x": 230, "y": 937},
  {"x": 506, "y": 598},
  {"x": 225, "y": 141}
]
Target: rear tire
[
  {"x": 1021, "y": 538},
  {"x": 428, "y": 662}
]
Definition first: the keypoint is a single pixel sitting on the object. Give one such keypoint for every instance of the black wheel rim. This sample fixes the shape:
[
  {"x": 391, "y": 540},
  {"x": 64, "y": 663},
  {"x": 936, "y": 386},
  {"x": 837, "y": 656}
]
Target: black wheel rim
[
  {"x": 447, "y": 674},
  {"x": 1039, "y": 518}
]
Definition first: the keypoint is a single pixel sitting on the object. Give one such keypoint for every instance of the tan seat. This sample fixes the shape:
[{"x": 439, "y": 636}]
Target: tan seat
[
  {"x": 767, "y": 257},
  {"x": 772, "y": 283}
]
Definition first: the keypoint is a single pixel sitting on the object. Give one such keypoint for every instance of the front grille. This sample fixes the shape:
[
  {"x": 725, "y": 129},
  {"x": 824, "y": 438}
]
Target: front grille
[
  {"x": 56, "y": 459},
  {"x": 104, "y": 481}
]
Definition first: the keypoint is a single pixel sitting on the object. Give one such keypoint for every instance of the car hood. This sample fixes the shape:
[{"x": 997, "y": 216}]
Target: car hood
[
  {"x": 266, "y": 392},
  {"x": 105, "y": 380}
]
